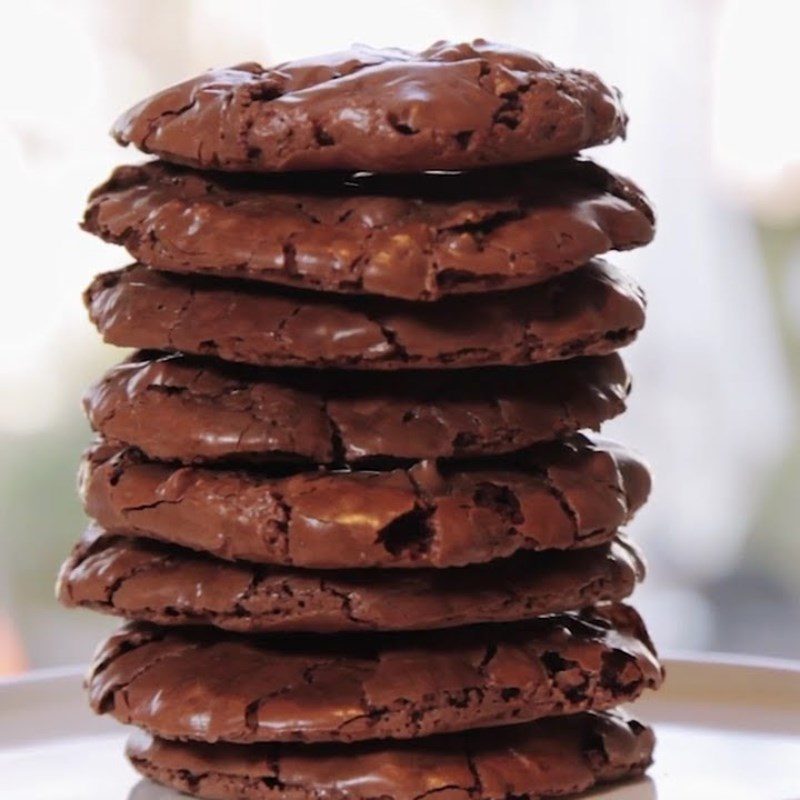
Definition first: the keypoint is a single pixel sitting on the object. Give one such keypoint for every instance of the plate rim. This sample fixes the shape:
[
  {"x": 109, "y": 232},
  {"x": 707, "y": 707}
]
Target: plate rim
[
  {"x": 677, "y": 658},
  {"x": 709, "y": 684},
  {"x": 730, "y": 663}
]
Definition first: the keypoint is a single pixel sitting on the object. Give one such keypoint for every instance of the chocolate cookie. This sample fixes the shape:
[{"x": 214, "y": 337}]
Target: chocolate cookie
[
  {"x": 452, "y": 106},
  {"x": 193, "y": 410},
  {"x": 563, "y": 495},
  {"x": 206, "y": 685},
  {"x": 147, "y": 581},
  {"x": 548, "y": 758},
  {"x": 589, "y": 311},
  {"x": 419, "y": 238}
]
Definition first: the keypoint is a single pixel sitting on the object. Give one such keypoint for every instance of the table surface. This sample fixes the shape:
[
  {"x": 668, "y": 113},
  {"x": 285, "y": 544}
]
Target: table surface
[{"x": 726, "y": 729}]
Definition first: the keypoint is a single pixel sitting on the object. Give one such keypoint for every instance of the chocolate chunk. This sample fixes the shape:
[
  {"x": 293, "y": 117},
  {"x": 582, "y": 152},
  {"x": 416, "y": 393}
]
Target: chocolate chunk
[
  {"x": 207, "y": 685},
  {"x": 151, "y": 582},
  {"x": 194, "y": 410},
  {"x": 418, "y": 238},
  {"x": 589, "y": 311},
  {"x": 452, "y": 106},
  {"x": 562, "y": 495},
  {"x": 548, "y": 758}
]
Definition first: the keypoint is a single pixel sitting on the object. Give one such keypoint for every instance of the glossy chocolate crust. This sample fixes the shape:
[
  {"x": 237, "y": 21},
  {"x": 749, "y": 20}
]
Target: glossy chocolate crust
[
  {"x": 564, "y": 495},
  {"x": 417, "y": 237},
  {"x": 452, "y": 106},
  {"x": 192, "y": 410},
  {"x": 202, "y": 684},
  {"x": 548, "y": 758},
  {"x": 589, "y": 311},
  {"x": 151, "y": 582}
]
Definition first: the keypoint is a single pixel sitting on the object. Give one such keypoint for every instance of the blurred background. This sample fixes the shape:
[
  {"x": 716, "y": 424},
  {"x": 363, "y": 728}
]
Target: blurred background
[{"x": 712, "y": 91}]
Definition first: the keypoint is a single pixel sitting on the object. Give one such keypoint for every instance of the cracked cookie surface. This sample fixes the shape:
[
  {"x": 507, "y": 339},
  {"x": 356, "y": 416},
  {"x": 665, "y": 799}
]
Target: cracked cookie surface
[
  {"x": 547, "y": 758},
  {"x": 571, "y": 494},
  {"x": 148, "y": 581},
  {"x": 450, "y": 107},
  {"x": 593, "y": 310},
  {"x": 206, "y": 685},
  {"x": 416, "y": 238},
  {"x": 191, "y": 410}
]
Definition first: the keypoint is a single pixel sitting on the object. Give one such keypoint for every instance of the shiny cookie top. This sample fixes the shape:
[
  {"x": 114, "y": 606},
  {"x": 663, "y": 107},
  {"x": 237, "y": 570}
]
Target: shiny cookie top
[{"x": 452, "y": 106}]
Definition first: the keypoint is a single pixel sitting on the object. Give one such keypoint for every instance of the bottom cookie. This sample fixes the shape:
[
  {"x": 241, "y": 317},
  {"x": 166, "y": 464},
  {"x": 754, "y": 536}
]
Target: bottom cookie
[{"x": 548, "y": 758}]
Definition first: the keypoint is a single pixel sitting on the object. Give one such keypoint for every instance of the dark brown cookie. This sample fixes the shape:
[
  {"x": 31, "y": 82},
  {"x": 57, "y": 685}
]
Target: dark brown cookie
[
  {"x": 589, "y": 311},
  {"x": 548, "y": 758},
  {"x": 418, "y": 238},
  {"x": 452, "y": 106},
  {"x": 206, "y": 685},
  {"x": 193, "y": 410},
  {"x": 563, "y": 495},
  {"x": 151, "y": 582}
]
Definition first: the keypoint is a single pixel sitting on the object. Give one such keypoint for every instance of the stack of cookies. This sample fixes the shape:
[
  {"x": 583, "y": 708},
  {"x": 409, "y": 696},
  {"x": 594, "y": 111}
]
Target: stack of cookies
[{"x": 342, "y": 491}]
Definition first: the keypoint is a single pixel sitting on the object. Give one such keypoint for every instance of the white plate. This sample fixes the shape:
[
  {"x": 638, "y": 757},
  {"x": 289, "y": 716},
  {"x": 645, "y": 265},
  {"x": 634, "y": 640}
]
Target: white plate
[{"x": 727, "y": 730}]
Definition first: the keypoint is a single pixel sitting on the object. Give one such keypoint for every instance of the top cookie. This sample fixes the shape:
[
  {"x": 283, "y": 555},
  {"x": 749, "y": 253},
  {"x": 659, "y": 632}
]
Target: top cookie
[{"x": 452, "y": 106}]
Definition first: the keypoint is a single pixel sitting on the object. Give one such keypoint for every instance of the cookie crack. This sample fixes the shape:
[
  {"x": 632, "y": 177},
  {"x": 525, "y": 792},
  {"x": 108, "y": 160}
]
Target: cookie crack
[
  {"x": 125, "y": 510},
  {"x": 448, "y": 787},
  {"x": 250, "y": 715},
  {"x": 156, "y": 121},
  {"x": 581, "y": 691},
  {"x": 390, "y": 336},
  {"x": 284, "y": 523},
  {"x": 238, "y": 605},
  {"x": 568, "y": 420},
  {"x": 338, "y": 446},
  {"x": 476, "y": 790},
  {"x": 139, "y": 569},
  {"x": 346, "y": 602},
  {"x": 180, "y": 314},
  {"x": 563, "y": 500},
  {"x": 281, "y": 327},
  {"x": 110, "y": 700}
]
